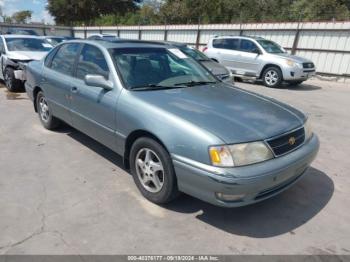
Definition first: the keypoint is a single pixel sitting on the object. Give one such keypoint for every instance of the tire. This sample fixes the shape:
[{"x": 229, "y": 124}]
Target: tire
[
  {"x": 12, "y": 84},
  {"x": 44, "y": 112},
  {"x": 272, "y": 77},
  {"x": 159, "y": 186}
]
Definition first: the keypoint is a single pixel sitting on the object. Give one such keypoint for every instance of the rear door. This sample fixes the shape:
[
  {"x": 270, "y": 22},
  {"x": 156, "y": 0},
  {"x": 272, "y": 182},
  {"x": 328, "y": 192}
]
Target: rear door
[
  {"x": 248, "y": 58},
  {"x": 227, "y": 50},
  {"x": 94, "y": 108},
  {"x": 57, "y": 79}
]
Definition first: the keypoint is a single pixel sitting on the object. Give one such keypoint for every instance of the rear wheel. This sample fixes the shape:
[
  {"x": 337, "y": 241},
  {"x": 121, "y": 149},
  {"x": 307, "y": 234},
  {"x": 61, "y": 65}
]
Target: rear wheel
[
  {"x": 45, "y": 114},
  {"x": 272, "y": 77},
  {"x": 12, "y": 84},
  {"x": 152, "y": 170}
]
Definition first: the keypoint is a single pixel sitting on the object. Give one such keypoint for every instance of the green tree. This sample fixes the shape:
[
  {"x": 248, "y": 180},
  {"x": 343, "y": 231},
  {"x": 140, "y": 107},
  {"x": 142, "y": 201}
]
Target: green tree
[
  {"x": 310, "y": 10},
  {"x": 70, "y": 12},
  {"x": 22, "y": 17}
]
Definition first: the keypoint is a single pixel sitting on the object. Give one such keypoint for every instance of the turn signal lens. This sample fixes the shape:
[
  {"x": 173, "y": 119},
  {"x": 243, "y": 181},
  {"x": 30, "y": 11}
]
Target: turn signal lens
[
  {"x": 291, "y": 63},
  {"x": 220, "y": 156}
]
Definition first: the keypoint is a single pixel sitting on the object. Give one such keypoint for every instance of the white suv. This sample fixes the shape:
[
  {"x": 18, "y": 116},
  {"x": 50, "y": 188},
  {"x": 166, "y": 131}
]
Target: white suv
[{"x": 259, "y": 58}]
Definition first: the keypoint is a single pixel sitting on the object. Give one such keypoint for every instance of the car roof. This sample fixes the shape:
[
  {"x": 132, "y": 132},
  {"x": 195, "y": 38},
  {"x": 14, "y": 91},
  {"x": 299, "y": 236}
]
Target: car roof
[
  {"x": 51, "y": 36},
  {"x": 240, "y": 36},
  {"x": 121, "y": 43},
  {"x": 20, "y": 36}
]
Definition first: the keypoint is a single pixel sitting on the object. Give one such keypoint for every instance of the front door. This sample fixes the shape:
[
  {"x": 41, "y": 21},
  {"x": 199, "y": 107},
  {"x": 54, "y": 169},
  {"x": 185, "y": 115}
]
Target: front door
[
  {"x": 94, "y": 108},
  {"x": 249, "y": 58}
]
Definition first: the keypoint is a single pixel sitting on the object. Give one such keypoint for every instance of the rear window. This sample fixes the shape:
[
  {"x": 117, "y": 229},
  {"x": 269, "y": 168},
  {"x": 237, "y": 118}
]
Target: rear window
[{"x": 226, "y": 43}]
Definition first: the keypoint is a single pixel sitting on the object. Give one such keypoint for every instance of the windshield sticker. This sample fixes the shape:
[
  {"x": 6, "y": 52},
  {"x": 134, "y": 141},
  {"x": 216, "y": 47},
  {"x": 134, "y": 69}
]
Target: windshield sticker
[
  {"x": 178, "y": 53},
  {"x": 46, "y": 45}
]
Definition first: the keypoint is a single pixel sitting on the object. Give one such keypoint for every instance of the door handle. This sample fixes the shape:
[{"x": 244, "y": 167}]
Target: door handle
[{"x": 74, "y": 89}]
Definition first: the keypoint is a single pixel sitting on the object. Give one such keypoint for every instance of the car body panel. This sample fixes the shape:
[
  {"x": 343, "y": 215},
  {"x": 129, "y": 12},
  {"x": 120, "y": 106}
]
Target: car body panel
[{"x": 187, "y": 121}]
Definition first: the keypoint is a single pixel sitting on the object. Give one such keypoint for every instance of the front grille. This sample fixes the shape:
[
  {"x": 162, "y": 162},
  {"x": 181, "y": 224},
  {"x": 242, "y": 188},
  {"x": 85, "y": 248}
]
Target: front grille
[
  {"x": 286, "y": 143},
  {"x": 308, "y": 65}
]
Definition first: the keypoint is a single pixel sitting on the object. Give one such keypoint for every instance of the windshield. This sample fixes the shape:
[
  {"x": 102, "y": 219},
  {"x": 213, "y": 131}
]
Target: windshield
[
  {"x": 271, "y": 47},
  {"x": 158, "y": 67},
  {"x": 194, "y": 53},
  {"x": 27, "y": 44}
]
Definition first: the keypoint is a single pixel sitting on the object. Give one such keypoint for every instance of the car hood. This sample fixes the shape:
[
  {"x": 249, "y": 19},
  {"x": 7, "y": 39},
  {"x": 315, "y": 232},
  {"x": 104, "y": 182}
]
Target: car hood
[
  {"x": 295, "y": 58},
  {"x": 232, "y": 114},
  {"x": 215, "y": 68},
  {"x": 25, "y": 55}
]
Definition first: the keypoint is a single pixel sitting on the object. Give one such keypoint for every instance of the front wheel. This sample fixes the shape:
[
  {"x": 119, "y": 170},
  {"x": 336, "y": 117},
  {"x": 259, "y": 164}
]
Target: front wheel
[
  {"x": 272, "y": 77},
  {"x": 152, "y": 170},
  {"x": 45, "y": 113},
  {"x": 12, "y": 84}
]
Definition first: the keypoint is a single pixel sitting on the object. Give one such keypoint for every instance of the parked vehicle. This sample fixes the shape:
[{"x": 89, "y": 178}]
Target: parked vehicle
[
  {"x": 177, "y": 127},
  {"x": 258, "y": 58},
  {"x": 21, "y": 31},
  {"x": 15, "y": 52},
  {"x": 217, "y": 69},
  {"x": 105, "y": 37}
]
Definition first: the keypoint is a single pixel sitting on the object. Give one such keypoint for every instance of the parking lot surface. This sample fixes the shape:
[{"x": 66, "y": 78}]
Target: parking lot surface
[{"x": 63, "y": 193}]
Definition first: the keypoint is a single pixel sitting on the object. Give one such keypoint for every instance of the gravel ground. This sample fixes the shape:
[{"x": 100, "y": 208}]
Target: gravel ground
[{"x": 63, "y": 193}]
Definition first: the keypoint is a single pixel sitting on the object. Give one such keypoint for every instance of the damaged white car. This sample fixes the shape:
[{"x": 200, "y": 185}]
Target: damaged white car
[{"x": 15, "y": 52}]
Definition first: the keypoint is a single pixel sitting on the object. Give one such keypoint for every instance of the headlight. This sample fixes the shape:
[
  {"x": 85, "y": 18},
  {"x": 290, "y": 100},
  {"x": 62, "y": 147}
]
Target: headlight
[
  {"x": 308, "y": 130},
  {"x": 239, "y": 154},
  {"x": 291, "y": 63}
]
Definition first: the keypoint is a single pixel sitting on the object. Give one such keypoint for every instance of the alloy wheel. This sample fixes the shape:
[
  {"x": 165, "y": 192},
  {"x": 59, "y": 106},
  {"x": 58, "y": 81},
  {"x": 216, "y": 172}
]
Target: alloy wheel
[
  {"x": 8, "y": 80},
  {"x": 271, "y": 77},
  {"x": 44, "y": 109},
  {"x": 149, "y": 169}
]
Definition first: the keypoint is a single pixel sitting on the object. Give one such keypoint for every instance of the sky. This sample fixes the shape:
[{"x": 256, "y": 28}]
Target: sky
[{"x": 37, "y": 6}]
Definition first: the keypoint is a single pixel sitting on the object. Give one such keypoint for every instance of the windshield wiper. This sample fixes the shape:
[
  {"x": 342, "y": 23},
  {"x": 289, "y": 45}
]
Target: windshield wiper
[
  {"x": 195, "y": 83},
  {"x": 153, "y": 87}
]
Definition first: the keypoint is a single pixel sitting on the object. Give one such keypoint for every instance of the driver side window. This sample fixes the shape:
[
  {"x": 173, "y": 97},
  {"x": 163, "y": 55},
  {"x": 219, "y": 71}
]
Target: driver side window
[
  {"x": 248, "y": 46},
  {"x": 92, "y": 62}
]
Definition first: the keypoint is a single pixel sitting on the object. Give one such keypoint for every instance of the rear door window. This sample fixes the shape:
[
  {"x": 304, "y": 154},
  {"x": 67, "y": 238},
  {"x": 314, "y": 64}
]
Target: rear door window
[
  {"x": 226, "y": 43},
  {"x": 64, "y": 59}
]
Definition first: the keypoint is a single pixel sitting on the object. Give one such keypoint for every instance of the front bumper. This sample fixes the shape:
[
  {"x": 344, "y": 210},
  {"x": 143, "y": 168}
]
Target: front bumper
[
  {"x": 254, "y": 182},
  {"x": 20, "y": 73},
  {"x": 298, "y": 74}
]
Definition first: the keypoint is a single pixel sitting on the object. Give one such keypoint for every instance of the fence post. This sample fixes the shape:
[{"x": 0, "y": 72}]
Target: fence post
[
  {"x": 296, "y": 38},
  {"x": 140, "y": 33},
  {"x": 85, "y": 32},
  {"x": 165, "y": 31},
  {"x": 198, "y": 33}
]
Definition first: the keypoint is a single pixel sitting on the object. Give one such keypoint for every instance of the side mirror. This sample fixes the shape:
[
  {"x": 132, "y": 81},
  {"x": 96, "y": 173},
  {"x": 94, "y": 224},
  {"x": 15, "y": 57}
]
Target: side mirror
[
  {"x": 99, "y": 81},
  {"x": 257, "y": 51}
]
